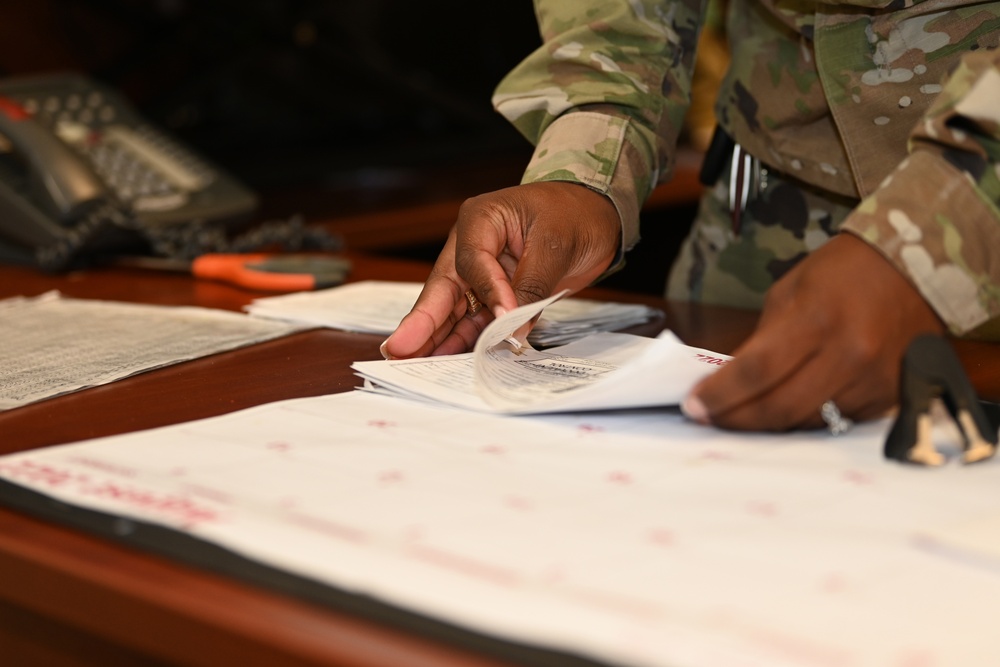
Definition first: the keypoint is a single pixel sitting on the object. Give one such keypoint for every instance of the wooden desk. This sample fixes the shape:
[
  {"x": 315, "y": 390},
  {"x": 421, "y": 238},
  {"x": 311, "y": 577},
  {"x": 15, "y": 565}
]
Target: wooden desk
[{"x": 70, "y": 599}]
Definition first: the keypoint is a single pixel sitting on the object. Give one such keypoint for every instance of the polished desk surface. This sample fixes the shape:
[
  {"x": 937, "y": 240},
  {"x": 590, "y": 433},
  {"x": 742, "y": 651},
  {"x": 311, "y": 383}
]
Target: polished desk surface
[{"x": 67, "y": 598}]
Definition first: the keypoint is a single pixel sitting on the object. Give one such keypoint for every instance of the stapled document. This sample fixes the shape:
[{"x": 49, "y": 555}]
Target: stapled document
[{"x": 602, "y": 371}]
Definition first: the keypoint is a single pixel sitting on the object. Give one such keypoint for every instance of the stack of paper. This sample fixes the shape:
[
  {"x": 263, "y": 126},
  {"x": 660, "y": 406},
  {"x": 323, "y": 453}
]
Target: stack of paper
[
  {"x": 602, "y": 371},
  {"x": 377, "y": 307},
  {"x": 51, "y": 345},
  {"x": 571, "y": 319}
]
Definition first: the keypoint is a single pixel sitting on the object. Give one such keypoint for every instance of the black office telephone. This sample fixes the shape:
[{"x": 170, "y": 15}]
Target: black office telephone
[{"x": 83, "y": 174}]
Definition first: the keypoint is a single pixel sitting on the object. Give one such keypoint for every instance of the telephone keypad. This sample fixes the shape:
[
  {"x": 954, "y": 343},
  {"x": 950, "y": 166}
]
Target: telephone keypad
[
  {"x": 132, "y": 178},
  {"x": 142, "y": 166}
]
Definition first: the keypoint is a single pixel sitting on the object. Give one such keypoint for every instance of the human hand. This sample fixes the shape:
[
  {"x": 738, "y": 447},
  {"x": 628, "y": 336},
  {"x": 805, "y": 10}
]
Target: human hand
[
  {"x": 834, "y": 328},
  {"x": 512, "y": 247}
]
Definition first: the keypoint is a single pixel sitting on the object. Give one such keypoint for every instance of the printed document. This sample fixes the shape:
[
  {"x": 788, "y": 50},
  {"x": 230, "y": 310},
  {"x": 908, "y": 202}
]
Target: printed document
[
  {"x": 52, "y": 345},
  {"x": 635, "y": 538},
  {"x": 602, "y": 371}
]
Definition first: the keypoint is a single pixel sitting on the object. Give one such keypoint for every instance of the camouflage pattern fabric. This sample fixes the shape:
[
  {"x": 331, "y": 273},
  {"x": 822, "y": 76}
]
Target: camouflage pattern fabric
[
  {"x": 727, "y": 264},
  {"x": 894, "y": 104}
]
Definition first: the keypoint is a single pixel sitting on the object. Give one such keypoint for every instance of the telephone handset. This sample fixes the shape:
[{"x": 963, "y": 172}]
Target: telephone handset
[
  {"x": 60, "y": 180},
  {"x": 82, "y": 173}
]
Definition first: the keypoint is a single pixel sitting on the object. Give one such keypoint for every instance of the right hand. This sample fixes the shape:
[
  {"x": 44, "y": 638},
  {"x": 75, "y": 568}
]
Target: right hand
[{"x": 512, "y": 247}]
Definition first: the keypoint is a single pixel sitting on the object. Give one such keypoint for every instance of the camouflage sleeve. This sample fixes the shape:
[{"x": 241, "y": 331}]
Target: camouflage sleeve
[
  {"x": 603, "y": 99},
  {"x": 937, "y": 216}
]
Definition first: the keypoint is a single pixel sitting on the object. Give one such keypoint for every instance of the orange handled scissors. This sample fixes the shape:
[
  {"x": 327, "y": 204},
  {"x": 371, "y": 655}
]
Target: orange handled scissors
[{"x": 260, "y": 271}]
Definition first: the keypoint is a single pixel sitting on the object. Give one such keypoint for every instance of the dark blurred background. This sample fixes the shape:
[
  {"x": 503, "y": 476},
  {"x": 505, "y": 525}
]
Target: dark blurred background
[
  {"x": 326, "y": 108},
  {"x": 295, "y": 92}
]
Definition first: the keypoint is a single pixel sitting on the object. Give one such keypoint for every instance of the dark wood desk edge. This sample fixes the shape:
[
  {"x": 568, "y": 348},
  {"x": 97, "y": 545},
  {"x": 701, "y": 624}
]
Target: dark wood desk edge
[{"x": 89, "y": 594}]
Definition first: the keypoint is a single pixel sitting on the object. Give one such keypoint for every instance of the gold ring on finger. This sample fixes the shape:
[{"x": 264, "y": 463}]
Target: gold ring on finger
[{"x": 475, "y": 305}]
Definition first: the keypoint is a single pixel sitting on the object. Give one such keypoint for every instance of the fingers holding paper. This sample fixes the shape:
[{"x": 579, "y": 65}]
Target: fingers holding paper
[
  {"x": 440, "y": 321},
  {"x": 834, "y": 329},
  {"x": 510, "y": 247}
]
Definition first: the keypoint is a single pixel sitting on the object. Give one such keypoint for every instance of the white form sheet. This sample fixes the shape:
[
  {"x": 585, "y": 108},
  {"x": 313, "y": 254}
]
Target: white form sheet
[
  {"x": 633, "y": 537},
  {"x": 601, "y": 371},
  {"x": 52, "y": 345}
]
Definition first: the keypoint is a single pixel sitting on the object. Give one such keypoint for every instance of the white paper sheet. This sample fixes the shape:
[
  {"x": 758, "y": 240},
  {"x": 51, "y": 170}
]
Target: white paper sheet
[
  {"x": 633, "y": 537},
  {"x": 602, "y": 371},
  {"x": 377, "y": 306},
  {"x": 51, "y": 345},
  {"x": 368, "y": 306}
]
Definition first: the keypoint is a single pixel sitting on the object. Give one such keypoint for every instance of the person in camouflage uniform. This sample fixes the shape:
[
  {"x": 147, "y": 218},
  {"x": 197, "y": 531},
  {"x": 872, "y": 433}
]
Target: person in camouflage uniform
[{"x": 872, "y": 130}]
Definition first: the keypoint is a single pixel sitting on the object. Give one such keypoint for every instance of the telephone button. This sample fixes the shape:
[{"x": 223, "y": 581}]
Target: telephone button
[
  {"x": 71, "y": 132},
  {"x": 160, "y": 202}
]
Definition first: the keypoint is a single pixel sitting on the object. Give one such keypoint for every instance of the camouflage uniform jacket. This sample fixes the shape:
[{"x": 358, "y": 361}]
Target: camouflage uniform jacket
[{"x": 893, "y": 102}]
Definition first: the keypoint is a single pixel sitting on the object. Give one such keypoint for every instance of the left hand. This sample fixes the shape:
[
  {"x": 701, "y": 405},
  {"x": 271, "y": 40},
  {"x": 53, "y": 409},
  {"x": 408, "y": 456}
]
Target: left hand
[{"x": 834, "y": 328}]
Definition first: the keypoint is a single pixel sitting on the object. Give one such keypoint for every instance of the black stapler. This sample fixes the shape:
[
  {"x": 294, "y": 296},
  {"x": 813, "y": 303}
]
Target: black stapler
[{"x": 931, "y": 370}]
